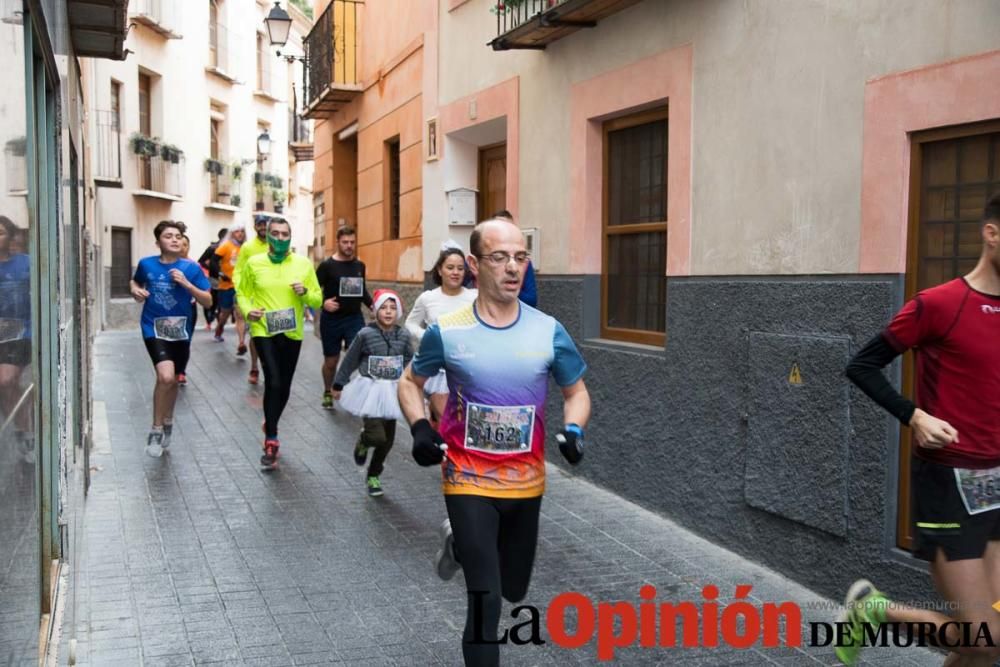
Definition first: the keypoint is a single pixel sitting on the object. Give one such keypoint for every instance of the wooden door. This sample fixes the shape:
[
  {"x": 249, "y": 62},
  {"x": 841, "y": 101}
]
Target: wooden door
[{"x": 492, "y": 180}]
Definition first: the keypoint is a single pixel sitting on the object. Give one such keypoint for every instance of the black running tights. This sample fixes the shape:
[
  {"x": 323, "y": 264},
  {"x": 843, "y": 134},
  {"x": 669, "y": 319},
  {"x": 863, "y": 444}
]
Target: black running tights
[
  {"x": 279, "y": 355},
  {"x": 495, "y": 542}
]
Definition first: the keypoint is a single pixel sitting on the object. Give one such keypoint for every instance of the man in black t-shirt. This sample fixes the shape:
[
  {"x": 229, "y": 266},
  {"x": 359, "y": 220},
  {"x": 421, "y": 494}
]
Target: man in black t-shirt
[{"x": 342, "y": 278}]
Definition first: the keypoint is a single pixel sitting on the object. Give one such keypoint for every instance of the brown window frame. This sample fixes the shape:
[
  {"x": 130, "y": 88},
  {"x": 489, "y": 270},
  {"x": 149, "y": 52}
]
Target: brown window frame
[
  {"x": 122, "y": 269},
  {"x": 392, "y": 189},
  {"x": 904, "y": 524},
  {"x": 641, "y": 336}
]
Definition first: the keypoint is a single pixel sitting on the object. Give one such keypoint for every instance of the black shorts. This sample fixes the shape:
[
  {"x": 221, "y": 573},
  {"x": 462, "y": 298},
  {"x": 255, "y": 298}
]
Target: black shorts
[
  {"x": 16, "y": 352},
  {"x": 940, "y": 518},
  {"x": 338, "y": 331},
  {"x": 177, "y": 351}
]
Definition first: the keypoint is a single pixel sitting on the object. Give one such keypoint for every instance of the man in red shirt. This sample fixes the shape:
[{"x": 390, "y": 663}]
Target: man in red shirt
[{"x": 954, "y": 330}]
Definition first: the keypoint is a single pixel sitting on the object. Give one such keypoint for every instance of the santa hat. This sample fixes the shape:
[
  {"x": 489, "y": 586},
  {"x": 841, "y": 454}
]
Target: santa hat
[{"x": 383, "y": 295}]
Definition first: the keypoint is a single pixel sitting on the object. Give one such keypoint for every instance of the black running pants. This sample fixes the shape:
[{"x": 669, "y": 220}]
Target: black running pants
[
  {"x": 278, "y": 355},
  {"x": 495, "y": 542}
]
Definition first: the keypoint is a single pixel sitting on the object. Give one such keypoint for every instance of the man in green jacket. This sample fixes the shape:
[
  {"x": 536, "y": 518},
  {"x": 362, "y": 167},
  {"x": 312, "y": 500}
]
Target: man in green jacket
[
  {"x": 251, "y": 248},
  {"x": 273, "y": 288}
]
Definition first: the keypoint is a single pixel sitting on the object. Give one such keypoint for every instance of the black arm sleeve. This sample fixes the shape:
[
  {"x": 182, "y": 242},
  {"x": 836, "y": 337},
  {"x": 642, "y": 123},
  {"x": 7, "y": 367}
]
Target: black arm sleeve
[
  {"x": 865, "y": 371},
  {"x": 213, "y": 265}
]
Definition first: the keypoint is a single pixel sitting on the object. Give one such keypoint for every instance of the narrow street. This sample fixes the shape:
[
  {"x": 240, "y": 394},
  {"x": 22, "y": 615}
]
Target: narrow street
[{"x": 200, "y": 558}]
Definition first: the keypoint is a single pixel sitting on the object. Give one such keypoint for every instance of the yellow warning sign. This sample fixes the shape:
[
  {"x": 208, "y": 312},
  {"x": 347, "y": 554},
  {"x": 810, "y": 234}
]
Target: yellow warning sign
[
  {"x": 795, "y": 376},
  {"x": 996, "y": 605}
]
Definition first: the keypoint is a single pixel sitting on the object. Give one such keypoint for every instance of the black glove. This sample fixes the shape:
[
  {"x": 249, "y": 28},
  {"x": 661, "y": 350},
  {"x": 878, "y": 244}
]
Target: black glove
[
  {"x": 428, "y": 445},
  {"x": 570, "y": 441}
]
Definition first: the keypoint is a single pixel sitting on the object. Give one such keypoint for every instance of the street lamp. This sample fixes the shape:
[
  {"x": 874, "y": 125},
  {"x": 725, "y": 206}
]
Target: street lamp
[
  {"x": 264, "y": 143},
  {"x": 279, "y": 23}
]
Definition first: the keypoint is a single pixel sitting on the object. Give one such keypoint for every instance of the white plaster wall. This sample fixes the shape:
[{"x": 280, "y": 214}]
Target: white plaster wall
[
  {"x": 181, "y": 101},
  {"x": 778, "y": 92}
]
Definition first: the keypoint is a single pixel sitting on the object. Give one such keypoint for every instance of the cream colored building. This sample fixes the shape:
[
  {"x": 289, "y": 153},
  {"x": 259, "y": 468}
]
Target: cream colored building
[{"x": 175, "y": 131}]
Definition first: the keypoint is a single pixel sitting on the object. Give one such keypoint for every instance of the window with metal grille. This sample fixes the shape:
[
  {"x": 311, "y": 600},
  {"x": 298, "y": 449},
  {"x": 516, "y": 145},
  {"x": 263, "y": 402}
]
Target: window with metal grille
[
  {"x": 121, "y": 262},
  {"x": 634, "y": 283},
  {"x": 392, "y": 186}
]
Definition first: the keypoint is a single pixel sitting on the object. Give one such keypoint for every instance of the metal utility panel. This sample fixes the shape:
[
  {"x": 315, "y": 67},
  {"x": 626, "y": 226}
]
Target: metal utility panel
[{"x": 798, "y": 428}]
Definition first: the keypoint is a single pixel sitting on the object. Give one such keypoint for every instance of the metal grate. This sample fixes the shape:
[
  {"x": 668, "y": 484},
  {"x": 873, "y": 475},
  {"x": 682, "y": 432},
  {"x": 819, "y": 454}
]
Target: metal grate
[{"x": 331, "y": 49}]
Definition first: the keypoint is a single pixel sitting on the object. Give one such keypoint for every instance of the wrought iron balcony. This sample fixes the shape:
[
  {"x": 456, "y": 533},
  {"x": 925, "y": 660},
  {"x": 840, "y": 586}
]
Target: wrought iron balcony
[
  {"x": 300, "y": 140},
  {"x": 534, "y": 24},
  {"x": 107, "y": 149},
  {"x": 331, "y": 71},
  {"x": 163, "y": 16},
  {"x": 160, "y": 176}
]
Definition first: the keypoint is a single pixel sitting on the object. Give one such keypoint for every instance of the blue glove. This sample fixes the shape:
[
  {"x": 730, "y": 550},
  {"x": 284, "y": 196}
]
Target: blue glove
[
  {"x": 570, "y": 441},
  {"x": 428, "y": 445}
]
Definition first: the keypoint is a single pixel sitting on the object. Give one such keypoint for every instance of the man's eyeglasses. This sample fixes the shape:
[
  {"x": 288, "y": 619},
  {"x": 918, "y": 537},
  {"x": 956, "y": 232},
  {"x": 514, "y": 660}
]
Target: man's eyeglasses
[{"x": 501, "y": 258}]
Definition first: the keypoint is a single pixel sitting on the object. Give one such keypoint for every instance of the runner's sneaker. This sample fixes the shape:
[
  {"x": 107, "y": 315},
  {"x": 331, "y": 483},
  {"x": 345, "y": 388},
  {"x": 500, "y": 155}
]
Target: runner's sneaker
[
  {"x": 241, "y": 350},
  {"x": 360, "y": 453},
  {"x": 154, "y": 444},
  {"x": 374, "y": 486},
  {"x": 864, "y": 604},
  {"x": 269, "y": 461},
  {"x": 445, "y": 562},
  {"x": 219, "y": 339},
  {"x": 254, "y": 376},
  {"x": 168, "y": 432},
  {"x": 182, "y": 379},
  {"x": 327, "y": 400}
]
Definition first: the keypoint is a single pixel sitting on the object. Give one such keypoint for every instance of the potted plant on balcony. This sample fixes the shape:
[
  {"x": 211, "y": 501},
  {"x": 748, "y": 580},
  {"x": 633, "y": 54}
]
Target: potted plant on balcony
[
  {"x": 278, "y": 196},
  {"x": 236, "y": 200},
  {"x": 214, "y": 167},
  {"x": 171, "y": 153},
  {"x": 143, "y": 146}
]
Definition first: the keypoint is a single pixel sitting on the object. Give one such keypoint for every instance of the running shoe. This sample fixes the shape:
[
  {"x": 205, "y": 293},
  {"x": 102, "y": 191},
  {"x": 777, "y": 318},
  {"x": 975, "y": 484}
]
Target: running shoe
[
  {"x": 374, "y": 486},
  {"x": 444, "y": 561},
  {"x": 241, "y": 349},
  {"x": 864, "y": 605},
  {"x": 182, "y": 379},
  {"x": 254, "y": 376},
  {"x": 168, "y": 432},
  {"x": 154, "y": 444},
  {"x": 269, "y": 461},
  {"x": 219, "y": 339},
  {"x": 360, "y": 453},
  {"x": 328, "y": 400}
]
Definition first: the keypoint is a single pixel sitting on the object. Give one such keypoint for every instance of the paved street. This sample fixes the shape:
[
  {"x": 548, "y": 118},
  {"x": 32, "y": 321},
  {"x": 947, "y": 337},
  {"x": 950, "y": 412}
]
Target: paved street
[{"x": 200, "y": 558}]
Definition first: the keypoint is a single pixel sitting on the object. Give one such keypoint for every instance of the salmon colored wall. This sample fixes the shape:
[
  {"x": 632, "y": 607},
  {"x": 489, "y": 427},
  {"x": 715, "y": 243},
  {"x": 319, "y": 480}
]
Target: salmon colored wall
[
  {"x": 494, "y": 102},
  {"x": 952, "y": 93},
  {"x": 665, "y": 77}
]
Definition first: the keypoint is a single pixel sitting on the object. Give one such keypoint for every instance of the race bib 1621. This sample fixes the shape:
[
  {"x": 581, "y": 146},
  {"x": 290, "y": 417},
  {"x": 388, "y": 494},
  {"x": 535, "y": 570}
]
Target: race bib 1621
[{"x": 499, "y": 429}]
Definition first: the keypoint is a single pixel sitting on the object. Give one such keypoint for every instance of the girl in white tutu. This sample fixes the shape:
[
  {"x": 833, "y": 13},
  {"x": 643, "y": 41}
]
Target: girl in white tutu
[
  {"x": 379, "y": 353},
  {"x": 448, "y": 273}
]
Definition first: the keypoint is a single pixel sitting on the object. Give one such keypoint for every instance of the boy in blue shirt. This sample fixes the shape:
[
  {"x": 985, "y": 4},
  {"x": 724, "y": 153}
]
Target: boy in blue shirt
[{"x": 165, "y": 284}]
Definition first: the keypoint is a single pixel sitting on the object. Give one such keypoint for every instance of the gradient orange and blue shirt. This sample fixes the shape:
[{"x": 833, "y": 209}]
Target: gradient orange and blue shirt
[{"x": 498, "y": 379}]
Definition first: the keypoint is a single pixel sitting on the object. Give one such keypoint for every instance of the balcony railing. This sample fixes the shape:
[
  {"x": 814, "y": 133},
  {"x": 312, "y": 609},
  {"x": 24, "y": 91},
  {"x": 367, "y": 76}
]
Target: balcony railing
[
  {"x": 159, "y": 177},
  {"x": 107, "y": 149},
  {"x": 331, "y": 73},
  {"x": 218, "y": 51},
  {"x": 163, "y": 16},
  {"x": 300, "y": 140},
  {"x": 533, "y": 24}
]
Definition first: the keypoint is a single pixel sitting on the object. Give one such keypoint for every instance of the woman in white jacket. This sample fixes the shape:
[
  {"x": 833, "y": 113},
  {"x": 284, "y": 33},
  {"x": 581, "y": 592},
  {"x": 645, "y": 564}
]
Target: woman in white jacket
[{"x": 448, "y": 273}]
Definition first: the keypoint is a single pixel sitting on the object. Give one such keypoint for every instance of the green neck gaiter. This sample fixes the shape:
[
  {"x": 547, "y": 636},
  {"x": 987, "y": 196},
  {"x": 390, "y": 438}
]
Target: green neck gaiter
[{"x": 279, "y": 249}]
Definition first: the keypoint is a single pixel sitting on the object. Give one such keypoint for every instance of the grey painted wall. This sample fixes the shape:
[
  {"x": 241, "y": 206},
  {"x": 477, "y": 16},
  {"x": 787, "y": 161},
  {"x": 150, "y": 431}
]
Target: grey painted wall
[{"x": 709, "y": 431}]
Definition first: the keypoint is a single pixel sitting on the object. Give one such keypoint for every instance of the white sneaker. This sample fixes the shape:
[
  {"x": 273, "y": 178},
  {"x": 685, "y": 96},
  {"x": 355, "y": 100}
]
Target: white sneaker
[
  {"x": 444, "y": 561},
  {"x": 154, "y": 444}
]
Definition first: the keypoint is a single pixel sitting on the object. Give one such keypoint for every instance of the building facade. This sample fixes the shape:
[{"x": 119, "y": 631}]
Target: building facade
[
  {"x": 47, "y": 246},
  {"x": 177, "y": 132},
  {"x": 724, "y": 202},
  {"x": 369, "y": 66}
]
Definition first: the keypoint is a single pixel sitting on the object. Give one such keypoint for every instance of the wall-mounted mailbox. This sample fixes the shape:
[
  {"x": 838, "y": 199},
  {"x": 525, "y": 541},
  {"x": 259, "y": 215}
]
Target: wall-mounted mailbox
[{"x": 461, "y": 206}]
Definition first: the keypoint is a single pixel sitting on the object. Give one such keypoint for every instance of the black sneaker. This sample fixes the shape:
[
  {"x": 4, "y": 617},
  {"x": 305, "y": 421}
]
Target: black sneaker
[
  {"x": 154, "y": 444},
  {"x": 360, "y": 453},
  {"x": 269, "y": 460},
  {"x": 168, "y": 432},
  {"x": 445, "y": 562}
]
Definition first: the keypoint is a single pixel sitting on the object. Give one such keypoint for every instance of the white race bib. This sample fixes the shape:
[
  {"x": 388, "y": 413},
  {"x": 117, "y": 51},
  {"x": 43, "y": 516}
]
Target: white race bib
[
  {"x": 280, "y": 321},
  {"x": 385, "y": 368},
  {"x": 980, "y": 489},
  {"x": 352, "y": 287},
  {"x": 499, "y": 429},
  {"x": 171, "y": 328}
]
